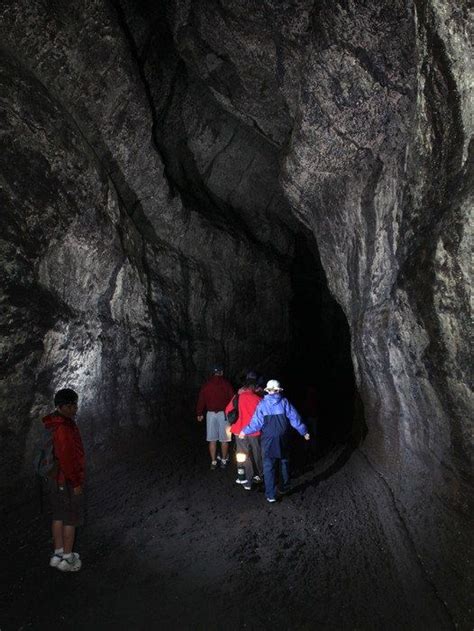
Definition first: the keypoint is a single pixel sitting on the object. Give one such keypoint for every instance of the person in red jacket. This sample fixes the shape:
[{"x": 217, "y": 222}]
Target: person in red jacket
[
  {"x": 250, "y": 445},
  {"x": 66, "y": 488},
  {"x": 213, "y": 397}
]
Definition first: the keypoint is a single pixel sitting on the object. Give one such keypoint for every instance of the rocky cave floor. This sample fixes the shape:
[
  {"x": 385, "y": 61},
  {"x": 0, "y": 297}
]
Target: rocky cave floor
[{"x": 169, "y": 544}]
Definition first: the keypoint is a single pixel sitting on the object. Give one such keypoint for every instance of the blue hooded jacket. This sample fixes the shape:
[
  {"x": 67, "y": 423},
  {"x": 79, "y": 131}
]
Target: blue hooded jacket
[{"x": 274, "y": 416}]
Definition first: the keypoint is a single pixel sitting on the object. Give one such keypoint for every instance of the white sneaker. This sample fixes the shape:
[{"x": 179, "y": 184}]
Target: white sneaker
[
  {"x": 55, "y": 560},
  {"x": 271, "y": 499},
  {"x": 241, "y": 481},
  {"x": 73, "y": 564},
  {"x": 247, "y": 487}
]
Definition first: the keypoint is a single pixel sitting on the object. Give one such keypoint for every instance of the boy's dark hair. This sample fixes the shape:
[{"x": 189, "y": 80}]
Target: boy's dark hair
[
  {"x": 65, "y": 396},
  {"x": 250, "y": 383}
]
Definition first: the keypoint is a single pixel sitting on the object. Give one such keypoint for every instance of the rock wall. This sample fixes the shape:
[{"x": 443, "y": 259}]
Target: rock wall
[
  {"x": 114, "y": 284},
  {"x": 160, "y": 161},
  {"x": 378, "y": 167}
]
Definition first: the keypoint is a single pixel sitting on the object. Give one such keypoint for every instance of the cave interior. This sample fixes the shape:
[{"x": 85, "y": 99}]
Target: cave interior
[{"x": 273, "y": 186}]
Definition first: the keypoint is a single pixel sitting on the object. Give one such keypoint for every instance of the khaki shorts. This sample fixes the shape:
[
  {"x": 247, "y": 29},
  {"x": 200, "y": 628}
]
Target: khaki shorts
[
  {"x": 217, "y": 428},
  {"x": 65, "y": 506}
]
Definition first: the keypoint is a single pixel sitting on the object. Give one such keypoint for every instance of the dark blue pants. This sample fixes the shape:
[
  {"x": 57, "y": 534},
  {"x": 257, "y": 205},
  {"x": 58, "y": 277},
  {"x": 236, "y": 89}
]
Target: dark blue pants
[{"x": 269, "y": 472}]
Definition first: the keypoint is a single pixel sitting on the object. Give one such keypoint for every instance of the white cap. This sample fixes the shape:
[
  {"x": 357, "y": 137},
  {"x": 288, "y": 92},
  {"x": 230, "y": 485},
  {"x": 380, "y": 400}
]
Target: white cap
[{"x": 273, "y": 386}]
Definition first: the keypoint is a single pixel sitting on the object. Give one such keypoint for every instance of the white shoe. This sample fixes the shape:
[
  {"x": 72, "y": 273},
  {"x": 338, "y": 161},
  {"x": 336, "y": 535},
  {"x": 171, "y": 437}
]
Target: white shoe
[
  {"x": 247, "y": 487},
  {"x": 73, "y": 564},
  {"x": 55, "y": 560},
  {"x": 271, "y": 499},
  {"x": 241, "y": 481}
]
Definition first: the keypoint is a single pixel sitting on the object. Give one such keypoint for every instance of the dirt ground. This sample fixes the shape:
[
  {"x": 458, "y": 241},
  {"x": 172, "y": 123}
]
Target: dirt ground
[{"x": 169, "y": 544}]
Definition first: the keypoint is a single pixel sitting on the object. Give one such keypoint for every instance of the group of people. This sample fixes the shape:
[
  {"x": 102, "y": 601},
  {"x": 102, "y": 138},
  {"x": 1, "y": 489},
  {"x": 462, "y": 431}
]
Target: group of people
[{"x": 260, "y": 419}]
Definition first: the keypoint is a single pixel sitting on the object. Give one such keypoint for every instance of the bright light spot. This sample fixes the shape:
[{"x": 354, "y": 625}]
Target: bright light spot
[{"x": 241, "y": 457}]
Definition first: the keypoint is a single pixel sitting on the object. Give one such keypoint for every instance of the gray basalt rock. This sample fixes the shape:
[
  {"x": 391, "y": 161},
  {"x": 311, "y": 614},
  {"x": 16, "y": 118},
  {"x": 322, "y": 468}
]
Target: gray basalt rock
[
  {"x": 161, "y": 162},
  {"x": 378, "y": 168},
  {"x": 138, "y": 293}
]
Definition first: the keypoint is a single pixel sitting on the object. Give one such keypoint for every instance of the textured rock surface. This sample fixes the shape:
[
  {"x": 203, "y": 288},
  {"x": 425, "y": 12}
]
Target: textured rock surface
[
  {"x": 161, "y": 164},
  {"x": 122, "y": 268},
  {"x": 379, "y": 152}
]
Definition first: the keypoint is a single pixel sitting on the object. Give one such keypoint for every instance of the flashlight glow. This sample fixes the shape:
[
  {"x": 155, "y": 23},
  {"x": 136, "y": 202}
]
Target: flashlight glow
[{"x": 241, "y": 457}]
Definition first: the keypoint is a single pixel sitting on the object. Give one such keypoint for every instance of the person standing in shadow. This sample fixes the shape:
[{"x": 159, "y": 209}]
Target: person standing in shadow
[{"x": 65, "y": 480}]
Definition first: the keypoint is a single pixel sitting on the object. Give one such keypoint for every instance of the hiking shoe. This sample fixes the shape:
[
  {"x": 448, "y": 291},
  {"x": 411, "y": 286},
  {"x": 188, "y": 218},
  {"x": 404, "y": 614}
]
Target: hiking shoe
[
  {"x": 271, "y": 499},
  {"x": 73, "y": 564},
  {"x": 55, "y": 560},
  {"x": 213, "y": 465},
  {"x": 247, "y": 487},
  {"x": 257, "y": 479},
  {"x": 224, "y": 463},
  {"x": 241, "y": 481}
]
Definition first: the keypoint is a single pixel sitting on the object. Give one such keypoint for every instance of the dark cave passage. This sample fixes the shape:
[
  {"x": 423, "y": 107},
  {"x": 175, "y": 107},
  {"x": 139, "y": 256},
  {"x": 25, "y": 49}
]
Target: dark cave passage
[
  {"x": 319, "y": 368},
  {"x": 315, "y": 364}
]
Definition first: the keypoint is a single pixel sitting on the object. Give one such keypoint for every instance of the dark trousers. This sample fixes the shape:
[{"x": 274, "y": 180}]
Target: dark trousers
[
  {"x": 250, "y": 446},
  {"x": 269, "y": 471}
]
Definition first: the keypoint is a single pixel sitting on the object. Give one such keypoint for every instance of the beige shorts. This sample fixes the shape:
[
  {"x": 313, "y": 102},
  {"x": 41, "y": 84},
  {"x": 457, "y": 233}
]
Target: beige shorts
[{"x": 217, "y": 427}]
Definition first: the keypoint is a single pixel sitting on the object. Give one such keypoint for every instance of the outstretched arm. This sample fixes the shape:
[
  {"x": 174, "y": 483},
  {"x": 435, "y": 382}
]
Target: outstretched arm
[
  {"x": 295, "y": 420},
  {"x": 256, "y": 422}
]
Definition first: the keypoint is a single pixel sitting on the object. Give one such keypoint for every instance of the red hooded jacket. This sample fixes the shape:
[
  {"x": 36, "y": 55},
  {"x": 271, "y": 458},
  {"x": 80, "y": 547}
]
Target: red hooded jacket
[
  {"x": 248, "y": 401},
  {"x": 214, "y": 395},
  {"x": 68, "y": 449}
]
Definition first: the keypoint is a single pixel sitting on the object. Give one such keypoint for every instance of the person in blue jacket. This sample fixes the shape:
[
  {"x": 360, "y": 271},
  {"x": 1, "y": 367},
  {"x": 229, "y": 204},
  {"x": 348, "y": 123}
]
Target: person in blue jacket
[{"x": 274, "y": 417}]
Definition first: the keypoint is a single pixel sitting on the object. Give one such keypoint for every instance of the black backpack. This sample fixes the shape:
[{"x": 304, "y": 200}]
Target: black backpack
[{"x": 233, "y": 415}]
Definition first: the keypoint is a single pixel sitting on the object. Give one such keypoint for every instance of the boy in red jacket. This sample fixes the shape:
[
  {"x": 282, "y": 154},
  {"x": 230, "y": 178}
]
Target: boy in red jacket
[
  {"x": 66, "y": 487},
  {"x": 250, "y": 445}
]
